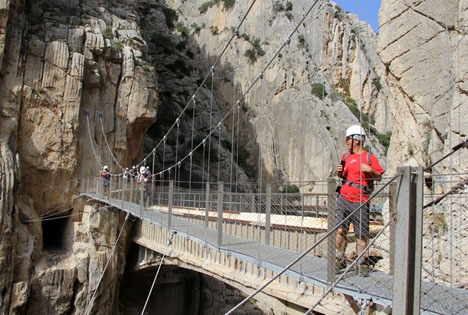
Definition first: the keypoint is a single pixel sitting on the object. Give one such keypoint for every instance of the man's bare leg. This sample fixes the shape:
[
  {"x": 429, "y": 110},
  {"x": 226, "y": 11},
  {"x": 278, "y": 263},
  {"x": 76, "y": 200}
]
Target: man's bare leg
[{"x": 341, "y": 241}]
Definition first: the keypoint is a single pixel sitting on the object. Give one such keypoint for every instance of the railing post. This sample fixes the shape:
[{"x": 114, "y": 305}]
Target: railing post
[
  {"x": 391, "y": 215},
  {"x": 408, "y": 242},
  {"x": 207, "y": 204},
  {"x": 142, "y": 198},
  {"x": 268, "y": 214},
  {"x": 252, "y": 202},
  {"x": 331, "y": 242},
  {"x": 169, "y": 204},
  {"x": 219, "y": 221},
  {"x": 131, "y": 188},
  {"x": 124, "y": 191}
]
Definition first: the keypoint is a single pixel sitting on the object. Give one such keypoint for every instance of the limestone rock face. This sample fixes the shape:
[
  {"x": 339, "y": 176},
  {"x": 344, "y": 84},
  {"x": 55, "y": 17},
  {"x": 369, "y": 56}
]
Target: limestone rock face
[
  {"x": 79, "y": 90},
  {"x": 331, "y": 49},
  {"x": 422, "y": 46},
  {"x": 82, "y": 82},
  {"x": 74, "y": 86}
]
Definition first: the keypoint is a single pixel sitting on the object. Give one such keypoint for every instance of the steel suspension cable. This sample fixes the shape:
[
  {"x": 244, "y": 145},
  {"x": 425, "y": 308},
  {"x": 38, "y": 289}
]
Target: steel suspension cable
[
  {"x": 107, "y": 264},
  {"x": 255, "y": 81},
  {"x": 169, "y": 242},
  {"x": 191, "y": 142},
  {"x": 324, "y": 237},
  {"x": 234, "y": 35},
  {"x": 345, "y": 272},
  {"x": 92, "y": 144},
  {"x": 107, "y": 143}
]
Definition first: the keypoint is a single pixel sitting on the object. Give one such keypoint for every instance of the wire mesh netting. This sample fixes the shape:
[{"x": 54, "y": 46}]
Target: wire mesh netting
[{"x": 274, "y": 229}]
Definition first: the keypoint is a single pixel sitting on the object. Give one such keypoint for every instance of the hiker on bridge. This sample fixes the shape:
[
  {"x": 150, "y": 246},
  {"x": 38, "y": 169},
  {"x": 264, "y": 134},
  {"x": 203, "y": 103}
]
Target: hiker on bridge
[
  {"x": 143, "y": 180},
  {"x": 358, "y": 169},
  {"x": 105, "y": 179}
]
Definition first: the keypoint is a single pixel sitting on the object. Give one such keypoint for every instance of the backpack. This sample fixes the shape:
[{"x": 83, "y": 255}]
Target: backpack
[{"x": 369, "y": 188}]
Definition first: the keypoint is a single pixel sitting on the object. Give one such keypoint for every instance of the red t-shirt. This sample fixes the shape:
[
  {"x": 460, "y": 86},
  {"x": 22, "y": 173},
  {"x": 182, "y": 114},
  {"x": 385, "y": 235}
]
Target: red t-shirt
[{"x": 352, "y": 173}]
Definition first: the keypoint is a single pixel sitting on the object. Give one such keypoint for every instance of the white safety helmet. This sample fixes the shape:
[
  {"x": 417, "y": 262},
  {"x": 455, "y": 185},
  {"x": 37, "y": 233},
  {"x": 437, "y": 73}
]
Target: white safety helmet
[
  {"x": 142, "y": 169},
  {"x": 356, "y": 132},
  {"x": 106, "y": 168}
]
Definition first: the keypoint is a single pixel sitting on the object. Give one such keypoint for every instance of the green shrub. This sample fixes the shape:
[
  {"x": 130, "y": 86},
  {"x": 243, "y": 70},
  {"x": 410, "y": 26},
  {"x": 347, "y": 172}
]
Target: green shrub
[
  {"x": 290, "y": 189},
  {"x": 182, "y": 29},
  {"x": 171, "y": 16},
  {"x": 318, "y": 90},
  {"x": 214, "y": 30},
  {"x": 344, "y": 84},
  {"x": 384, "y": 139},
  {"x": 204, "y": 7},
  {"x": 229, "y": 4},
  {"x": 257, "y": 47},
  {"x": 278, "y": 6},
  {"x": 251, "y": 55},
  {"x": 377, "y": 84},
  {"x": 301, "y": 40}
]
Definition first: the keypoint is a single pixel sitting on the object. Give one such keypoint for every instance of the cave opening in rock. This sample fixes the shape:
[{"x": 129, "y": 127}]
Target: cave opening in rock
[{"x": 53, "y": 233}]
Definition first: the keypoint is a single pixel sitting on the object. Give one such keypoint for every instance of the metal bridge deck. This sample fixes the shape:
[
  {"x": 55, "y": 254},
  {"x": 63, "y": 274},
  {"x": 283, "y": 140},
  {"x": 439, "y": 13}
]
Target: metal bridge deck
[{"x": 435, "y": 299}]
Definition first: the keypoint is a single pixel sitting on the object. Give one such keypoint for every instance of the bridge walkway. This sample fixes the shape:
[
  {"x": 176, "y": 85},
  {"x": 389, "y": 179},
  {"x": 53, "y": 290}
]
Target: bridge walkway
[{"x": 310, "y": 269}]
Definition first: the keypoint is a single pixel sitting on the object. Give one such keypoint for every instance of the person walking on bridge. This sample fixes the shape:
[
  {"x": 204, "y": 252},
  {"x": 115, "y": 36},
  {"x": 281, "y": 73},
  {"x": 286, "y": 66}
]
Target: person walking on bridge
[
  {"x": 143, "y": 181},
  {"x": 358, "y": 169},
  {"x": 105, "y": 179}
]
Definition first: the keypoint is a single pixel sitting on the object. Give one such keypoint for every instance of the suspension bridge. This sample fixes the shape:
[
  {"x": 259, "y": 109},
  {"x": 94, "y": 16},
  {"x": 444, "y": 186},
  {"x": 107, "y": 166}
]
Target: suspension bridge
[
  {"x": 271, "y": 242},
  {"x": 283, "y": 244}
]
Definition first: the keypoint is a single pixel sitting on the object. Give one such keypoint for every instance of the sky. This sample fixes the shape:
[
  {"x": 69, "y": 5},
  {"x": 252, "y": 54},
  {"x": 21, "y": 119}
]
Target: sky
[{"x": 367, "y": 10}]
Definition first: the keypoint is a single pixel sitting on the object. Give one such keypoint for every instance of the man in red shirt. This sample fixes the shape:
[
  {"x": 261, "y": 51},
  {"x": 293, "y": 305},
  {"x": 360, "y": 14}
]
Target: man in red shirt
[{"x": 358, "y": 169}]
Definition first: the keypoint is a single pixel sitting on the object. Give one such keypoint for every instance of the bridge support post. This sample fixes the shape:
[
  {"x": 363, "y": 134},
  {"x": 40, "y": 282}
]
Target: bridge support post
[
  {"x": 169, "y": 203},
  {"x": 142, "y": 201},
  {"x": 408, "y": 242},
  {"x": 268, "y": 214},
  {"x": 207, "y": 204},
  {"x": 392, "y": 203},
  {"x": 132, "y": 179},
  {"x": 331, "y": 241},
  {"x": 219, "y": 220}
]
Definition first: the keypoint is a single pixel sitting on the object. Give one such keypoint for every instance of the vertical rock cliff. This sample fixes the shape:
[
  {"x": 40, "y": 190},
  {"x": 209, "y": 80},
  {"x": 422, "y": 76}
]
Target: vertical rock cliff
[
  {"x": 73, "y": 75},
  {"x": 423, "y": 46},
  {"x": 81, "y": 84}
]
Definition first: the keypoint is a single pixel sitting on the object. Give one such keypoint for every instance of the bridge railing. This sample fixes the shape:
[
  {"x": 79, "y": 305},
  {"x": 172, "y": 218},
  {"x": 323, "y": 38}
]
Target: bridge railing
[
  {"x": 293, "y": 220},
  {"x": 300, "y": 221}
]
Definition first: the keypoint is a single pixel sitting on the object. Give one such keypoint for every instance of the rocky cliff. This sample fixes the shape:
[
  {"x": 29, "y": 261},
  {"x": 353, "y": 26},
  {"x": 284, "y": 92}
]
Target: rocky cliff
[
  {"x": 64, "y": 64},
  {"x": 422, "y": 46},
  {"x": 83, "y": 81}
]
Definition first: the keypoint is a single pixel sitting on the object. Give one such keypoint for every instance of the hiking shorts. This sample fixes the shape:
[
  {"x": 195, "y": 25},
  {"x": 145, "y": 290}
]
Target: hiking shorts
[{"x": 360, "y": 219}]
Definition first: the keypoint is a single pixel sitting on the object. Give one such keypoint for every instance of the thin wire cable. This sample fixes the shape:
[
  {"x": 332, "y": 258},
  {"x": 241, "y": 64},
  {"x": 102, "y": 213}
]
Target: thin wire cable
[
  {"x": 88, "y": 308},
  {"x": 98, "y": 160},
  {"x": 169, "y": 242},
  {"x": 450, "y": 102},
  {"x": 107, "y": 144},
  {"x": 208, "y": 168},
  {"x": 324, "y": 237},
  {"x": 255, "y": 81},
  {"x": 234, "y": 35},
  {"x": 52, "y": 218},
  {"x": 350, "y": 266}
]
